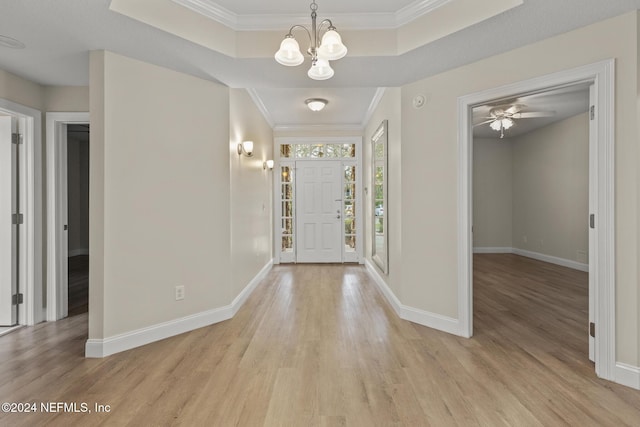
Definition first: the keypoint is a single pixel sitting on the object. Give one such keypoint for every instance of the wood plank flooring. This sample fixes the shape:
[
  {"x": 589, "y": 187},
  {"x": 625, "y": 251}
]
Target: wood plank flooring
[{"x": 319, "y": 346}]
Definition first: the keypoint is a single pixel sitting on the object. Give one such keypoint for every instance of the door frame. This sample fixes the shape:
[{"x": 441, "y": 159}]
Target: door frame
[
  {"x": 277, "y": 187},
  {"x": 57, "y": 196},
  {"x": 30, "y": 257},
  {"x": 602, "y": 266}
]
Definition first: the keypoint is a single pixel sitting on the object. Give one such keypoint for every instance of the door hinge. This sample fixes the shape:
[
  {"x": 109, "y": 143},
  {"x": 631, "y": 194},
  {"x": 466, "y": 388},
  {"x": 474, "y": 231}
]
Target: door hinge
[
  {"x": 17, "y": 219},
  {"x": 16, "y": 138},
  {"x": 592, "y": 329},
  {"x": 17, "y": 299},
  {"x": 592, "y": 112},
  {"x": 592, "y": 221}
]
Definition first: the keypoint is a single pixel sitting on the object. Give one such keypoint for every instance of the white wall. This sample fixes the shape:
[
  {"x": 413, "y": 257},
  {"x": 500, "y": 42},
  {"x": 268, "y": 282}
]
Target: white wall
[
  {"x": 251, "y": 191},
  {"x": 430, "y": 165},
  {"x": 492, "y": 193},
  {"x": 551, "y": 190},
  {"x": 160, "y": 185}
]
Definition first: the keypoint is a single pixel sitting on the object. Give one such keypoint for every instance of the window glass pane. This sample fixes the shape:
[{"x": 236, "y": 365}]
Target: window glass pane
[
  {"x": 286, "y": 174},
  {"x": 379, "y": 208},
  {"x": 350, "y": 243},
  {"x": 285, "y": 150},
  {"x": 287, "y": 244},
  {"x": 287, "y": 209},
  {"x": 332, "y": 150},
  {"x": 349, "y": 191},
  {"x": 379, "y": 151},
  {"x": 302, "y": 150},
  {"x": 287, "y": 192},
  {"x": 379, "y": 193},
  {"x": 379, "y": 223},
  {"x": 349, "y": 173},
  {"x": 349, "y": 209},
  {"x": 317, "y": 151},
  {"x": 287, "y": 226},
  {"x": 348, "y": 150},
  {"x": 350, "y": 225}
]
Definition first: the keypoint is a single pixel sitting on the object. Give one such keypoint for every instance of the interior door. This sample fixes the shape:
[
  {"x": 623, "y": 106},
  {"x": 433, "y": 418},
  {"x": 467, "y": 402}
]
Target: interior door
[
  {"x": 593, "y": 180},
  {"x": 318, "y": 211},
  {"x": 8, "y": 230}
]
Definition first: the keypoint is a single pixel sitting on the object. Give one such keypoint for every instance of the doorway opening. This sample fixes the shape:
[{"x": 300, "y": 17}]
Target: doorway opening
[
  {"x": 531, "y": 199},
  {"x": 601, "y": 202},
  {"x": 68, "y": 214}
]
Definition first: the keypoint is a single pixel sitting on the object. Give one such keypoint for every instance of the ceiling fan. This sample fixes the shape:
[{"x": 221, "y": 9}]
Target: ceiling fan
[{"x": 502, "y": 117}]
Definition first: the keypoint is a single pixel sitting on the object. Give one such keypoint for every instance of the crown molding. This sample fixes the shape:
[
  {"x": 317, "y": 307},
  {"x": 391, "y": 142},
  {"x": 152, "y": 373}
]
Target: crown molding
[
  {"x": 260, "y": 105},
  {"x": 352, "y": 21},
  {"x": 315, "y": 128}
]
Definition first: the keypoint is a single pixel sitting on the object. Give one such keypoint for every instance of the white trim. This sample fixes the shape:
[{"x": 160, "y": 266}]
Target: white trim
[
  {"x": 602, "y": 74},
  {"x": 353, "y": 21},
  {"x": 627, "y": 375},
  {"x": 261, "y": 107},
  {"x": 78, "y": 252},
  {"x": 552, "y": 259},
  {"x": 31, "y": 195},
  {"x": 248, "y": 290},
  {"x": 56, "y": 201},
  {"x": 377, "y": 97},
  {"x": 534, "y": 255},
  {"x": 139, "y": 337},
  {"x": 490, "y": 250},
  {"x": 415, "y": 315},
  {"x": 318, "y": 128}
]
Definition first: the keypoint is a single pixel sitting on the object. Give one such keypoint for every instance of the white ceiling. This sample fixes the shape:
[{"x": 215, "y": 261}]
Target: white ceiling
[
  {"x": 59, "y": 34},
  {"x": 562, "y": 102}
]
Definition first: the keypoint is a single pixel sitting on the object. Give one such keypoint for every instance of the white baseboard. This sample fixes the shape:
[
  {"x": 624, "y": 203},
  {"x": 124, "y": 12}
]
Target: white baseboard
[
  {"x": 496, "y": 250},
  {"x": 415, "y": 315},
  {"x": 77, "y": 252},
  {"x": 627, "y": 375},
  {"x": 108, "y": 346},
  {"x": 534, "y": 255}
]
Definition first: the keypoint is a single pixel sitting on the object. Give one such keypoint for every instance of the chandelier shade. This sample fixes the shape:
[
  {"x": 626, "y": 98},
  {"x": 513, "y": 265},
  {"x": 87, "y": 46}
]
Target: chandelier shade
[
  {"x": 289, "y": 53},
  {"x": 330, "y": 48}
]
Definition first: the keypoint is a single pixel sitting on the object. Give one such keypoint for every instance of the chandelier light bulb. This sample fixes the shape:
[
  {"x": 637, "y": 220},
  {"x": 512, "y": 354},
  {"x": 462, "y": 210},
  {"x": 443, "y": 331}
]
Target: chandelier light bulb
[
  {"x": 316, "y": 104},
  {"x": 507, "y": 123}
]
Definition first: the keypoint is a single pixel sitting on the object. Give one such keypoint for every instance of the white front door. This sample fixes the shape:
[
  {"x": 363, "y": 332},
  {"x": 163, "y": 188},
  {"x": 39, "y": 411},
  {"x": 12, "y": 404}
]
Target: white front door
[
  {"x": 318, "y": 211},
  {"x": 8, "y": 230}
]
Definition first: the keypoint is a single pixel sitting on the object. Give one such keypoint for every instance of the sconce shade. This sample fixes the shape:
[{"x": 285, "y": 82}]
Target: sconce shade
[
  {"x": 289, "y": 53},
  {"x": 268, "y": 165},
  {"x": 246, "y": 147}
]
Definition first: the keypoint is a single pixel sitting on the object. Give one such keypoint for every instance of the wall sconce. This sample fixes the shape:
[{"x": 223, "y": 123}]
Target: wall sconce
[
  {"x": 267, "y": 164},
  {"x": 246, "y": 147}
]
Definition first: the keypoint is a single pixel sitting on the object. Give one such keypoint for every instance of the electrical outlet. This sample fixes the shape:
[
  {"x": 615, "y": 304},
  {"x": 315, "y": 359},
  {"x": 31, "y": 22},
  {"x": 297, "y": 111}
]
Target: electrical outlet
[
  {"x": 179, "y": 293},
  {"x": 524, "y": 239}
]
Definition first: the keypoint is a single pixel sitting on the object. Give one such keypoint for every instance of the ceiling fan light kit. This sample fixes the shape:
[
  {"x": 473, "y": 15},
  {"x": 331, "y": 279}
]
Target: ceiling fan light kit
[
  {"x": 330, "y": 48},
  {"x": 501, "y": 119}
]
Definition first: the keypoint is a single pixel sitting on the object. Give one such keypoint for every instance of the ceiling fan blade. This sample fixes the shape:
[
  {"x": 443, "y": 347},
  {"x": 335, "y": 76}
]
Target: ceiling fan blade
[
  {"x": 534, "y": 114},
  {"x": 482, "y": 123}
]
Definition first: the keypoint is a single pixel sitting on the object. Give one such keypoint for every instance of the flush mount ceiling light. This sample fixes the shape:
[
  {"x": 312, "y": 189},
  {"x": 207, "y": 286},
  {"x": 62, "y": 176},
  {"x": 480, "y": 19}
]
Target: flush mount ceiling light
[
  {"x": 11, "y": 43},
  {"x": 329, "y": 49},
  {"x": 316, "y": 104}
]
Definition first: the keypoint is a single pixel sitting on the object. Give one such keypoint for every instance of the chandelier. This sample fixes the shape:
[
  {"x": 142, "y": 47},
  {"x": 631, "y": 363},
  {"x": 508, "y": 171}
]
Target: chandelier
[{"x": 330, "y": 48}]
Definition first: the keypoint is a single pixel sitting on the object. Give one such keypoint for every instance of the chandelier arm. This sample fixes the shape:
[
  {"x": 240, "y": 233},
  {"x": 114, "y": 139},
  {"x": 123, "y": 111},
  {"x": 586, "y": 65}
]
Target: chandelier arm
[
  {"x": 330, "y": 27},
  {"x": 290, "y": 33}
]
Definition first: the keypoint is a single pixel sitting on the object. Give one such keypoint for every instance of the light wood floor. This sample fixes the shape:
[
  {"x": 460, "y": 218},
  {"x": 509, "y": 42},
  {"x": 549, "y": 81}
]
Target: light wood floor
[{"x": 319, "y": 346}]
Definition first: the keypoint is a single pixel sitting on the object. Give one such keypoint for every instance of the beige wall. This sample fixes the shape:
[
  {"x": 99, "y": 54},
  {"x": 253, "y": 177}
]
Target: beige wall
[
  {"x": 159, "y": 195},
  {"x": 492, "y": 193},
  {"x": 551, "y": 190},
  {"x": 251, "y": 190},
  {"x": 389, "y": 109},
  {"x": 430, "y": 164}
]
